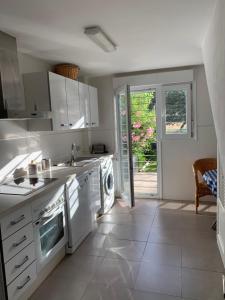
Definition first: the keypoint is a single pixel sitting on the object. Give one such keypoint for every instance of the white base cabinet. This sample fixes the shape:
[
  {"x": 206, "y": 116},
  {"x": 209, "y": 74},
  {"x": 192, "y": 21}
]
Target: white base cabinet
[
  {"x": 19, "y": 257},
  {"x": 79, "y": 212},
  {"x": 83, "y": 200}
]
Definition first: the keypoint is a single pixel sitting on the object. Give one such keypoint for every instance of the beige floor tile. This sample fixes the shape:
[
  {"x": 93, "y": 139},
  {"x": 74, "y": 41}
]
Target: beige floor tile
[
  {"x": 125, "y": 249},
  {"x": 117, "y": 273},
  {"x": 80, "y": 268},
  {"x": 163, "y": 254},
  {"x": 165, "y": 236},
  {"x": 159, "y": 278},
  {"x": 203, "y": 257},
  {"x": 201, "y": 285},
  {"x": 132, "y": 219},
  {"x": 105, "y": 292},
  {"x": 93, "y": 245},
  {"x": 125, "y": 232},
  {"x": 58, "y": 288},
  {"x": 183, "y": 221}
]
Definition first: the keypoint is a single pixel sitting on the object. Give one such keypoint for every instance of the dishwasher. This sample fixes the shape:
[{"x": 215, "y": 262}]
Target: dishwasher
[{"x": 79, "y": 212}]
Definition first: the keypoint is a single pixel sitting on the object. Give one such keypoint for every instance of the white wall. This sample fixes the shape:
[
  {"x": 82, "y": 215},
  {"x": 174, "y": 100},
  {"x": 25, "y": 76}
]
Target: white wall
[
  {"x": 15, "y": 140},
  {"x": 28, "y": 64},
  {"x": 214, "y": 60},
  {"x": 177, "y": 155}
]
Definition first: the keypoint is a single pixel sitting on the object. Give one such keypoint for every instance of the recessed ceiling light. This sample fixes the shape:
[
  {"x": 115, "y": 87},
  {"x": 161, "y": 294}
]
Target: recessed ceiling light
[{"x": 97, "y": 35}]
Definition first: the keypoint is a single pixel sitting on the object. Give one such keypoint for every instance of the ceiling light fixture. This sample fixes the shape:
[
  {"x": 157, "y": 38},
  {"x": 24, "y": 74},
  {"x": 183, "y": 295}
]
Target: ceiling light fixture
[{"x": 97, "y": 35}]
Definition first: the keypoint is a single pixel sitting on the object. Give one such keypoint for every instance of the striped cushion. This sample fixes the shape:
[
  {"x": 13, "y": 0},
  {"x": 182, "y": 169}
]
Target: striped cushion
[{"x": 210, "y": 177}]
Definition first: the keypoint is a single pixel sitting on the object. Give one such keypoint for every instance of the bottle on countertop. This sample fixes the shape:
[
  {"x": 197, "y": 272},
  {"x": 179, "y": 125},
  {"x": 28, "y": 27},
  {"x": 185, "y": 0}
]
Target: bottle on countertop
[{"x": 32, "y": 168}]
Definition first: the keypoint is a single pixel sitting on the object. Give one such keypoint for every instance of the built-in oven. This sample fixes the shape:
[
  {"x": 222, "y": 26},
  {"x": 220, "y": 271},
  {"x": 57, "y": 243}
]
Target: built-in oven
[{"x": 50, "y": 232}]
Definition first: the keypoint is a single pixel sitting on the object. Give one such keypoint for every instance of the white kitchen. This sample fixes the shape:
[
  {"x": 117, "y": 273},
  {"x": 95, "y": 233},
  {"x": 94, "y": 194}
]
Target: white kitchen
[{"x": 91, "y": 208}]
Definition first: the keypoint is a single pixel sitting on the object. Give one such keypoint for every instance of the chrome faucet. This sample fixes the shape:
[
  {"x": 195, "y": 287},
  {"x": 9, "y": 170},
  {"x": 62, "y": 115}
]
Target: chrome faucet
[{"x": 74, "y": 154}]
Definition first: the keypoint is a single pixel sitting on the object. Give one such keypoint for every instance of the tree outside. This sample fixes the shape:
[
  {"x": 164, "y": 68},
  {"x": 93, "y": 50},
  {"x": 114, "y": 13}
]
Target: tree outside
[{"x": 143, "y": 131}]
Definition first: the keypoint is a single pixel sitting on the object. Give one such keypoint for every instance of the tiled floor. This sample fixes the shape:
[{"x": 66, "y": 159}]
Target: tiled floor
[{"x": 156, "y": 251}]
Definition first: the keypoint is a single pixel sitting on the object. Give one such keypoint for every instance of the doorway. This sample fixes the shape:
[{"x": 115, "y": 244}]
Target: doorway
[
  {"x": 138, "y": 145},
  {"x": 144, "y": 136}
]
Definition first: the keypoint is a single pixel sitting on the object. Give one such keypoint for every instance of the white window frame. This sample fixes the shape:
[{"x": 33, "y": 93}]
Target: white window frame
[{"x": 189, "y": 112}]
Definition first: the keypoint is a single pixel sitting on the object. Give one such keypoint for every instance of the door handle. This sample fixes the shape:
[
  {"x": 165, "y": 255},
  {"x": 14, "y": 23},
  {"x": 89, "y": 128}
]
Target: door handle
[
  {"x": 19, "y": 287},
  {"x": 20, "y": 219},
  {"x": 23, "y": 262},
  {"x": 24, "y": 238}
]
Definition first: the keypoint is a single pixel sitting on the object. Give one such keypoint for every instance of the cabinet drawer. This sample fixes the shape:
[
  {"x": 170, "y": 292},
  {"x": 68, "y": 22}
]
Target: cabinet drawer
[
  {"x": 15, "y": 221},
  {"x": 16, "y": 242},
  {"x": 19, "y": 263},
  {"x": 22, "y": 282}
]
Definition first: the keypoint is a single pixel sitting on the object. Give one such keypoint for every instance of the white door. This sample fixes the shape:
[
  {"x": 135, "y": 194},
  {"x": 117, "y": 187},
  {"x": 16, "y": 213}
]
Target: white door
[
  {"x": 73, "y": 104},
  {"x": 84, "y": 105},
  {"x": 93, "y": 93},
  {"x": 57, "y": 86},
  {"x": 124, "y": 145}
]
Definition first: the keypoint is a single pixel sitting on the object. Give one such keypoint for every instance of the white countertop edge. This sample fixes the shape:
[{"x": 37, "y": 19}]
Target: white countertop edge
[{"x": 10, "y": 203}]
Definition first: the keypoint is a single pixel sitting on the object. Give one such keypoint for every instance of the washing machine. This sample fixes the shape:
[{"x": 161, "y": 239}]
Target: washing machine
[{"x": 107, "y": 185}]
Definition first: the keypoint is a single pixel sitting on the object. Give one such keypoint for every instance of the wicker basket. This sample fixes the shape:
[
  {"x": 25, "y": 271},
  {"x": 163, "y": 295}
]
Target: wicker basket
[{"x": 67, "y": 70}]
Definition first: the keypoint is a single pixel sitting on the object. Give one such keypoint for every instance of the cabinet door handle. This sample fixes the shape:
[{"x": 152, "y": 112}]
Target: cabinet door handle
[
  {"x": 93, "y": 123},
  {"x": 71, "y": 124},
  {"x": 62, "y": 125},
  {"x": 24, "y": 238},
  {"x": 26, "y": 258},
  {"x": 19, "y": 287},
  {"x": 20, "y": 219}
]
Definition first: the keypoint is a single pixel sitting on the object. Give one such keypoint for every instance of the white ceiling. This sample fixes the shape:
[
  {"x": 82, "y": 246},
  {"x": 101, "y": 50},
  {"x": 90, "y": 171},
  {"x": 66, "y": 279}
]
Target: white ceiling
[{"x": 150, "y": 34}]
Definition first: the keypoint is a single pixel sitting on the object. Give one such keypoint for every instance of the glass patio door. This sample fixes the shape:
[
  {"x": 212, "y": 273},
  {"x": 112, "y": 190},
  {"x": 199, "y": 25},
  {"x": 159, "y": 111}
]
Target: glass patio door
[
  {"x": 124, "y": 144},
  {"x": 145, "y": 134}
]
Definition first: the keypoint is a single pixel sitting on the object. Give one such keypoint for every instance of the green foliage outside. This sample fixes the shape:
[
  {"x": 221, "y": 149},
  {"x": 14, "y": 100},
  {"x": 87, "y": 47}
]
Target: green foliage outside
[
  {"x": 143, "y": 122},
  {"x": 175, "y": 106}
]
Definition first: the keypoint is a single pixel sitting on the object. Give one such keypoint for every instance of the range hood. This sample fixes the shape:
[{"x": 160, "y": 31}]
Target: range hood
[{"x": 12, "y": 103}]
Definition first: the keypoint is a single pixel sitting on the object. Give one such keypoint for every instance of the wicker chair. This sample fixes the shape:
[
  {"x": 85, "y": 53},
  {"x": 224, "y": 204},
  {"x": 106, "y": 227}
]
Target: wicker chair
[{"x": 200, "y": 166}]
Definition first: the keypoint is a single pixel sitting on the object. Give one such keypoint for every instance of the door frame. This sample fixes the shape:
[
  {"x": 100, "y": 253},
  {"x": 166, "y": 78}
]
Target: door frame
[
  {"x": 125, "y": 88},
  {"x": 158, "y": 88}
]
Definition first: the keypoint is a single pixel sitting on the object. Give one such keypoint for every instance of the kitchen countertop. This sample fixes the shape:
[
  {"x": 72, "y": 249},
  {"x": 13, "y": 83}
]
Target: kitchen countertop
[{"x": 9, "y": 203}]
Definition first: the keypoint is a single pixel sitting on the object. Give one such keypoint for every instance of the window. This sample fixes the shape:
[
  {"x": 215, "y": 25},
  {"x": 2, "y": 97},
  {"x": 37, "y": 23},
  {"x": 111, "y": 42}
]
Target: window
[{"x": 177, "y": 110}]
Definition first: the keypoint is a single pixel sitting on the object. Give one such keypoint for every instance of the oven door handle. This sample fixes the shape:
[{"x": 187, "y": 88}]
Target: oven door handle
[{"x": 44, "y": 219}]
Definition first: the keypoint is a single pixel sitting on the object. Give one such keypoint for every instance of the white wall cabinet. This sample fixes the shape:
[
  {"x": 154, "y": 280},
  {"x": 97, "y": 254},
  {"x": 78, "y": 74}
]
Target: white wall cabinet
[
  {"x": 58, "y": 100},
  {"x": 89, "y": 105},
  {"x": 93, "y": 106},
  {"x": 84, "y": 104},
  {"x": 72, "y": 104}
]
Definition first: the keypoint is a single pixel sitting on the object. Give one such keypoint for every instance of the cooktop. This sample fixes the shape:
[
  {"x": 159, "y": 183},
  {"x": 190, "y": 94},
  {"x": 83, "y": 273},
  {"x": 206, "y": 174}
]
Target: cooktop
[{"x": 24, "y": 185}]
